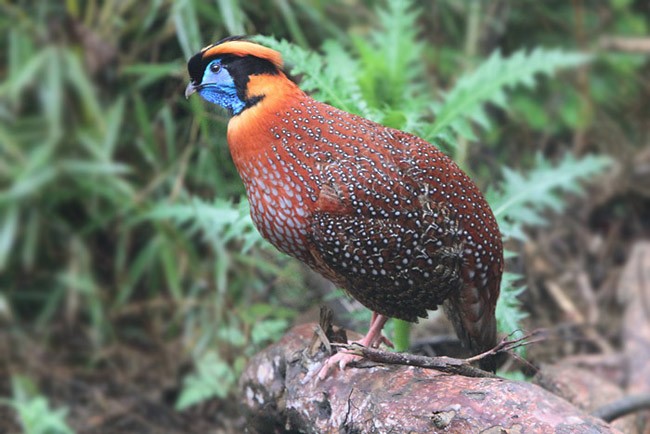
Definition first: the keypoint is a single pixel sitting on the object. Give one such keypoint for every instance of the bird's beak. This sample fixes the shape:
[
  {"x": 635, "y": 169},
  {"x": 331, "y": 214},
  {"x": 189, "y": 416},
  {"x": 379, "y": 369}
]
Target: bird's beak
[{"x": 190, "y": 89}]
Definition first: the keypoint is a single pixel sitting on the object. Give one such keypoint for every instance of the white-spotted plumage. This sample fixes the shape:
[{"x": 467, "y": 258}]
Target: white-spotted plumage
[{"x": 380, "y": 212}]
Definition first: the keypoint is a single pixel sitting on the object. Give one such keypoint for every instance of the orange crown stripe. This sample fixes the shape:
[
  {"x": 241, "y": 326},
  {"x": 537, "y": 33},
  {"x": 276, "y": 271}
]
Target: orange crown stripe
[{"x": 244, "y": 48}]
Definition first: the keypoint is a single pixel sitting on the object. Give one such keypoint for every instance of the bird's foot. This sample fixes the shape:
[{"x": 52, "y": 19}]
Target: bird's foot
[
  {"x": 342, "y": 358},
  {"x": 372, "y": 339}
]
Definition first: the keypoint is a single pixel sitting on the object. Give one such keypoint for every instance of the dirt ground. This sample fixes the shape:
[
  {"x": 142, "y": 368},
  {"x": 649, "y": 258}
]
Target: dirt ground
[{"x": 129, "y": 388}]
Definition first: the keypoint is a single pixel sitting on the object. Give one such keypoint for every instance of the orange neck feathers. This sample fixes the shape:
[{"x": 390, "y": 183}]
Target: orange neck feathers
[{"x": 248, "y": 131}]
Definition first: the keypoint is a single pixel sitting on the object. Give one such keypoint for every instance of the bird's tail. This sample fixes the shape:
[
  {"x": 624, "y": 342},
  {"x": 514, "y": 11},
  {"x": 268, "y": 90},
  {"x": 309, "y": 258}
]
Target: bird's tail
[{"x": 471, "y": 311}]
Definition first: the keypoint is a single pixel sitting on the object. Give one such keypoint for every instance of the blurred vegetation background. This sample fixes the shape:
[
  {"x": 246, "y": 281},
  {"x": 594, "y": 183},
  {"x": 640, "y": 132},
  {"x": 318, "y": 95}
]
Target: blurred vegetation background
[{"x": 126, "y": 252}]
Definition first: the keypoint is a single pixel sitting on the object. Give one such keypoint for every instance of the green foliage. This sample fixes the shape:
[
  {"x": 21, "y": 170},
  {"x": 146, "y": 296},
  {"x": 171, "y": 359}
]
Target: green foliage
[
  {"x": 245, "y": 332},
  {"x": 521, "y": 197},
  {"x": 465, "y": 103},
  {"x": 328, "y": 77},
  {"x": 390, "y": 71},
  {"x": 520, "y": 201},
  {"x": 380, "y": 77},
  {"x": 33, "y": 409},
  {"x": 401, "y": 334},
  {"x": 218, "y": 221},
  {"x": 47, "y": 169},
  {"x": 608, "y": 85},
  {"x": 218, "y": 224},
  {"x": 96, "y": 142},
  {"x": 103, "y": 164},
  {"x": 509, "y": 312},
  {"x": 212, "y": 377},
  {"x": 513, "y": 375},
  {"x": 383, "y": 78}
]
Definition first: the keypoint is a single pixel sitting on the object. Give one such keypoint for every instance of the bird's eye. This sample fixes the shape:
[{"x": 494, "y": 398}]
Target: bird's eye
[{"x": 215, "y": 67}]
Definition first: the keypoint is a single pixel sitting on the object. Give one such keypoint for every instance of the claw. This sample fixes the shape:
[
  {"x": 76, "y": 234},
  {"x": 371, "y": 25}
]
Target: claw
[
  {"x": 341, "y": 359},
  {"x": 372, "y": 339},
  {"x": 384, "y": 340}
]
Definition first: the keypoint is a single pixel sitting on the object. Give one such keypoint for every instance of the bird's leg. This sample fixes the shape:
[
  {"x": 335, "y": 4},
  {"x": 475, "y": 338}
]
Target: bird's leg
[{"x": 372, "y": 339}]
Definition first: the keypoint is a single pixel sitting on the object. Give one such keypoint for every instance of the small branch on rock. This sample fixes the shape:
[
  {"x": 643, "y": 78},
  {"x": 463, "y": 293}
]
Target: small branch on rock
[
  {"x": 622, "y": 407},
  {"x": 507, "y": 344},
  {"x": 445, "y": 364}
]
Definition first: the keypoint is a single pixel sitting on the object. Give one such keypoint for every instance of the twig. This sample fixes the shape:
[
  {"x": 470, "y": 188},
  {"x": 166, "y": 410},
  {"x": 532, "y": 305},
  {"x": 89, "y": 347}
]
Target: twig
[
  {"x": 442, "y": 363},
  {"x": 445, "y": 364},
  {"x": 565, "y": 303},
  {"x": 620, "y": 43},
  {"x": 622, "y": 407},
  {"x": 508, "y": 345}
]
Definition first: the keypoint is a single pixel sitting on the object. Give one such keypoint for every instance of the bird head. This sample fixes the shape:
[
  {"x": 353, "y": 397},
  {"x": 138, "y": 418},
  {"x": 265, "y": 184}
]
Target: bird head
[{"x": 221, "y": 73}]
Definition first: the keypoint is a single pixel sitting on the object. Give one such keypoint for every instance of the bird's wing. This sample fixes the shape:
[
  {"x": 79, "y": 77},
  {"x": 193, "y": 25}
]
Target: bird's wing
[{"x": 376, "y": 232}]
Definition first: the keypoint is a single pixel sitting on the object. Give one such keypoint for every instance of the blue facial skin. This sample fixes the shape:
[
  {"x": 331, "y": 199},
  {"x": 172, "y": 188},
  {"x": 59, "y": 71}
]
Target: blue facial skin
[{"x": 218, "y": 87}]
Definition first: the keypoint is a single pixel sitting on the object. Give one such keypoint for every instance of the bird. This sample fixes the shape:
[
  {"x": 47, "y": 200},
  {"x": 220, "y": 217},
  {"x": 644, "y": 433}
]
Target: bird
[{"x": 381, "y": 213}]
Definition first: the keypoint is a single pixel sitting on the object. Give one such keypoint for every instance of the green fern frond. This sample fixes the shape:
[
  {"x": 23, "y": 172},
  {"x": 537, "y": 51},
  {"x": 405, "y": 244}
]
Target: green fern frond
[
  {"x": 521, "y": 198},
  {"x": 391, "y": 59},
  {"x": 329, "y": 77},
  {"x": 33, "y": 409},
  {"x": 463, "y": 105},
  {"x": 509, "y": 312},
  {"x": 213, "y": 377},
  {"x": 217, "y": 222},
  {"x": 519, "y": 202},
  {"x": 382, "y": 81}
]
